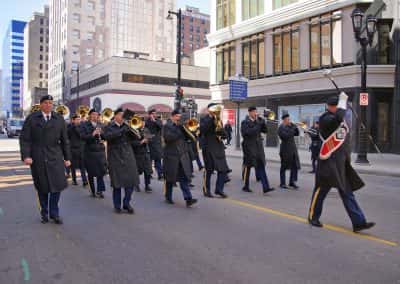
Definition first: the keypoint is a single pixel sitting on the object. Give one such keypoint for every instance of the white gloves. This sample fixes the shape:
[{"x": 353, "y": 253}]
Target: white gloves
[{"x": 343, "y": 100}]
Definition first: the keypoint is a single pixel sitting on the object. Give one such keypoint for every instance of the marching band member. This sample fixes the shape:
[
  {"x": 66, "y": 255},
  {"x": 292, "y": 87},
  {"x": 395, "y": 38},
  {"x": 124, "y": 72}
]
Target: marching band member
[
  {"x": 121, "y": 161},
  {"x": 142, "y": 154},
  {"x": 76, "y": 142},
  {"x": 213, "y": 154},
  {"x": 176, "y": 159},
  {"x": 334, "y": 167},
  {"x": 253, "y": 149},
  {"x": 94, "y": 153},
  {"x": 315, "y": 145},
  {"x": 288, "y": 152},
  {"x": 154, "y": 125},
  {"x": 45, "y": 148}
]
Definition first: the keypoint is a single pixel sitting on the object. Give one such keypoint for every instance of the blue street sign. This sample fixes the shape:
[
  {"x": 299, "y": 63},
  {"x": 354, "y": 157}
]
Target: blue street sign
[{"x": 237, "y": 89}]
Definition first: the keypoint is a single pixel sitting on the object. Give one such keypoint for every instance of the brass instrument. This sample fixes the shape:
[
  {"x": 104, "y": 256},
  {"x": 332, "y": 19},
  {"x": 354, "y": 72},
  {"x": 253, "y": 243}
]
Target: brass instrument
[
  {"x": 83, "y": 111},
  {"x": 216, "y": 111},
  {"x": 135, "y": 123},
  {"x": 35, "y": 108},
  {"x": 63, "y": 110},
  {"x": 106, "y": 116},
  {"x": 192, "y": 124}
]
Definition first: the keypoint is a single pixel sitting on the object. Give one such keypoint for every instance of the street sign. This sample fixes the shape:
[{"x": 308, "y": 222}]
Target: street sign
[
  {"x": 364, "y": 99},
  {"x": 238, "y": 89}
]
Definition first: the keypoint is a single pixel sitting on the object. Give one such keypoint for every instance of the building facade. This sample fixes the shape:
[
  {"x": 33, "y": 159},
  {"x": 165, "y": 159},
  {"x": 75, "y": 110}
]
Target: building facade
[
  {"x": 36, "y": 54},
  {"x": 13, "y": 64},
  {"x": 86, "y": 32},
  {"x": 195, "y": 27},
  {"x": 282, "y": 47},
  {"x": 139, "y": 85}
]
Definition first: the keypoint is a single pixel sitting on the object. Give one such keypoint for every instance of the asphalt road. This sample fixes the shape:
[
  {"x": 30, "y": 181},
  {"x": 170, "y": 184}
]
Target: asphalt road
[{"x": 248, "y": 238}]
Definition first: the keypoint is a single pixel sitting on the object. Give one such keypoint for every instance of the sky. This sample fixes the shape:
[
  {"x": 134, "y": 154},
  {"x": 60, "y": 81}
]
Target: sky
[{"x": 23, "y": 10}]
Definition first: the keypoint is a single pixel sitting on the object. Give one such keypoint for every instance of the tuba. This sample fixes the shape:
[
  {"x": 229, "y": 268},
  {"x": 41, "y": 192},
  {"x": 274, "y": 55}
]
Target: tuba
[
  {"x": 216, "y": 111},
  {"x": 83, "y": 111},
  {"x": 106, "y": 115},
  {"x": 35, "y": 108},
  {"x": 63, "y": 110}
]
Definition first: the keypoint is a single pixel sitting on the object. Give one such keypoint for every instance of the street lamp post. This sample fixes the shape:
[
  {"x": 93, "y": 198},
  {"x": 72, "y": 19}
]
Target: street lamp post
[
  {"x": 357, "y": 20},
  {"x": 77, "y": 86},
  {"x": 178, "y": 14}
]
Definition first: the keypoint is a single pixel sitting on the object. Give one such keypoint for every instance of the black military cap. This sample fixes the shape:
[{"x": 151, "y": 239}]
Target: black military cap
[
  {"x": 285, "y": 115},
  {"x": 92, "y": 111},
  {"x": 46, "y": 98},
  {"x": 175, "y": 112},
  {"x": 75, "y": 116},
  {"x": 333, "y": 101},
  {"x": 152, "y": 111},
  {"x": 118, "y": 110},
  {"x": 251, "y": 108}
]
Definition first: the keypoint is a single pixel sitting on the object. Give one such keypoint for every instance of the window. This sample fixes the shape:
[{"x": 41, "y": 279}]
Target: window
[
  {"x": 40, "y": 66},
  {"x": 75, "y": 49},
  {"x": 384, "y": 45},
  {"x": 76, "y": 34},
  {"x": 226, "y": 60},
  {"x": 41, "y": 21},
  {"x": 76, "y": 18},
  {"x": 252, "y": 8},
  {"x": 282, "y": 3},
  {"x": 225, "y": 13},
  {"x": 90, "y": 36},
  {"x": 91, "y": 20},
  {"x": 286, "y": 49},
  {"x": 101, "y": 38},
  {"x": 90, "y": 5},
  {"x": 89, "y": 51},
  {"x": 100, "y": 53},
  {"x": 41, "y": 39},
  {"x": 41, "y": 31},
  {"x": 326, "y": 42},
  {"x": 41, "y": 48},
  {"x": 40, "y": 57},
  {"x": 253, "y": 56}
]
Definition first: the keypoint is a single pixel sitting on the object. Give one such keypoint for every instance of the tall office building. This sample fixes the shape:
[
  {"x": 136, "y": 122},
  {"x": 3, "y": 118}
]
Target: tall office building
[
  {"x": 36, "y": 54},
  {"x": 13, "y": 64},
  {"x": 86, "y": 32}
]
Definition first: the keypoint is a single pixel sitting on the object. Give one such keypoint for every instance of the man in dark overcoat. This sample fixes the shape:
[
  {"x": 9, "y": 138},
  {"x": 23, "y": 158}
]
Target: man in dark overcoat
[
  {"x": 44, "y": 146},
  {"x": 176, "y": 159},
  {"x": 154, "y": 125},
  {"x": 94, "y": 153},
  {"x": 315, "y": 145},
  {"x": 253, "y": 149},
  {"x": 142, "y": 154},
  {"x": 334, "y": 167},
  {"x": 213, "y": 154},
  {"x": 77, "y": 145},
  {"x": 228, "y": 130},
  {"x": 122, "y": 165},
  {"x": 288, "y": 152}
]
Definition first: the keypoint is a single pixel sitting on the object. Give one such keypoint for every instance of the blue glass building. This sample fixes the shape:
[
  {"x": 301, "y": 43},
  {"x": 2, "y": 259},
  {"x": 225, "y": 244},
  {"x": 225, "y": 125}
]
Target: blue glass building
[{"x": 13, "y": 63}]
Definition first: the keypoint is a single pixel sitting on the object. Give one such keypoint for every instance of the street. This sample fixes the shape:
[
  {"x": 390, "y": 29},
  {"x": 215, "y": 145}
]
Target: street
[{"x": 248, "y": 238}]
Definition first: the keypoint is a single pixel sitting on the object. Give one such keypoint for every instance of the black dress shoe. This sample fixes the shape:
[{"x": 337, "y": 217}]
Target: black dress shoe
[
  {"x": 208, "y": 195},
  {"x": 266, "y": 190},
  {"x": 129, "y": 209},
  {"x": 365, "y": 226},
  {"x": 160, "y": 177},
  {"x": 175, "y": 184},
  {"x": 138, "y": 189},
  {"x": 44, "y": 220},
  {"x": 294, "y": 186},
  {"x": 93, "y": 195},
  {"x": 311, "y": 172},
  {"x": 57, "y": 220},
  {"x": 169, "y": 201},
  {"x": 201, "y": 168},
  {"x": 100, "y": 195},
  {"x": 74, "y": 182},
  {"x": 246, "y": 189},
  {"x": 190, "y": 202},
  {"x": 221, "y": 194},
  {"x": 148, "y": 189},
  {"x": 315, "y": 223},
  {"x": 85, "y": 184},
  {"x": 227, "y": 180},
  {"x": 284, "y": 186},
  {"x": 118, "y": 210}
]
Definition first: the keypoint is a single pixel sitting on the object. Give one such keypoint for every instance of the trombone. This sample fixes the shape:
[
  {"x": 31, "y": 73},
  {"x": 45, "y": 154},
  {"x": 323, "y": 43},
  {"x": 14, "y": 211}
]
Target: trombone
[
  {"x": 83, "y": 111},
  {"x": 190, "y": 127},
  {"x": 106, "y": 116},
  {"x": 270, "y": 116}
]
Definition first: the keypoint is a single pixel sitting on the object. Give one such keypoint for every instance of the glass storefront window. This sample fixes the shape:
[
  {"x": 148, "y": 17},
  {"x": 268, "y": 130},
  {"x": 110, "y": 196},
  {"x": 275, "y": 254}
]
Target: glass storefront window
[
  {"x": 225, "y": 62},
  {"x": 253, "y": 56},
  {"x": 253, "y": 66},
  {"x": 277, "y": 53},
  {"x": 232, "y": 62},
  {"x": 220, "y": 69},
  {"x": 383, "y": 43},
  {"x": 326, "y": 43},
  {"x": 261, "y": 57},
  {"x": 246, "y": 60},
  {"x": 315, "y": 45},
  {"x": 281, "y": 3},
  {"x": 225, "y": 13},
  {"x": 286, "y": 54},
  {"x": 252, "y": 8},
  {"x": 295, "y": 50}
]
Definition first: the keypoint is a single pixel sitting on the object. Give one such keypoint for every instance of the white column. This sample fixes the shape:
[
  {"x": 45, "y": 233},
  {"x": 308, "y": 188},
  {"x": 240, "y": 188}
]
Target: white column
[{"x": 238, "y": 11}]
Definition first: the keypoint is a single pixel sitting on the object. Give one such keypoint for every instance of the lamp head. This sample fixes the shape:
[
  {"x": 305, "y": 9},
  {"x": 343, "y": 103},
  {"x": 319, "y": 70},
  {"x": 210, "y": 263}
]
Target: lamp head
[
  {"x": 371, "y": 27},
  {"x": 357, "y": 19}
]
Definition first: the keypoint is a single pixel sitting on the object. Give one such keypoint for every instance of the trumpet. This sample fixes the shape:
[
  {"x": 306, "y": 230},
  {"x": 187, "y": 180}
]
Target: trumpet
[
  {"x": 106, "y": 116},
  {"x": 83, "y": 111},
  {"x": 35, "y": 108},
  {"x": 63, "y": 110}
]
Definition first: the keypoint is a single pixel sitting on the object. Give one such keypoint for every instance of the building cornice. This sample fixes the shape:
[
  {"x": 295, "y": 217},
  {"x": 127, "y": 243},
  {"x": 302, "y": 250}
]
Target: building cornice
[{"x": 289, "y": 14}]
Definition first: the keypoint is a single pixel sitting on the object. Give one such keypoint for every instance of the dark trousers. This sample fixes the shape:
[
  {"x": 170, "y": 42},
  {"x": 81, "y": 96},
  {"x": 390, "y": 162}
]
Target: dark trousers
[
  {"x": 83, "y": 173},
  {"x": 158, "y": 167},
  {"x": 199, "y": 163},
  {"x": 228, "y": 139},
  {"x": 349, "y": 201},
  {"x": 293, "y": 174},
  {"x": 314, "y": 164},
  {"x": 101, "y": 187},
  {"x": 147, "y": 179},
  {"x": 117, "y": 196},
  {"x": 261, "y": 174},
  {"x": 184, "y": 184},
  {"x": 219, "y": 185},
  {"x": 48, "y": 203}
]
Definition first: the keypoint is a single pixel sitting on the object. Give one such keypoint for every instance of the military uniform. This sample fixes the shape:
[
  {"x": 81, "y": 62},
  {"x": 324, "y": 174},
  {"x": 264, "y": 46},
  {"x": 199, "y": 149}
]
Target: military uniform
[
  {"x": 315, "y": 146},
  {"x": 176, "y": 161},
  {"x": 143, "y": 160},
  {"x": 45, "y": 140},
  {"x": 335, "y": 170},
  {"x": 94, "y": 157},
  {"x": 253, "y": 151},
  {"x": 288, "y": 153},
  {"x": 155, "y": 145},
  {"x": 213, "y": 155},
  {"x": 77, "y": 148},
  {"x": 121, "y": 163}
]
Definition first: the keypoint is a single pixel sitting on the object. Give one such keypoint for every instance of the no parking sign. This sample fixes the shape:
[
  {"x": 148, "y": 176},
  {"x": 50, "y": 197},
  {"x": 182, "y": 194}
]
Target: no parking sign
[{"x": 363, "y": 99}]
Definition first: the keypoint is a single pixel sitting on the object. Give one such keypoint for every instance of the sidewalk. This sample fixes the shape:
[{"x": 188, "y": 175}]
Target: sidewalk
[{"x": 380, "y": 164}]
